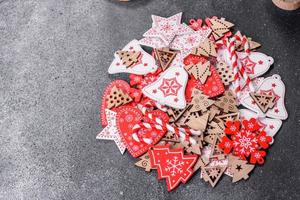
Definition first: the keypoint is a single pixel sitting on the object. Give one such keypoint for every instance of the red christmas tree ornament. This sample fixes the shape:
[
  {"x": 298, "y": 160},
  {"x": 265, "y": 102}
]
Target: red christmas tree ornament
[{"x": 172, "y": 165}]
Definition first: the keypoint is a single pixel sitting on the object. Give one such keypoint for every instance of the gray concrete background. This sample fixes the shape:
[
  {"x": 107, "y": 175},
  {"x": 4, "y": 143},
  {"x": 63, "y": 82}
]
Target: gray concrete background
[{"x": 53, "y": 60}]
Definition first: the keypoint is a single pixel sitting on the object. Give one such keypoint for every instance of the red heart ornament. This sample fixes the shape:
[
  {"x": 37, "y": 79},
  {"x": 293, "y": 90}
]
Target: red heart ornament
[
  {"x": 213, "y": 85},
  {"x": 123, "y": 85},
  {"x": 127, "y": 117}
]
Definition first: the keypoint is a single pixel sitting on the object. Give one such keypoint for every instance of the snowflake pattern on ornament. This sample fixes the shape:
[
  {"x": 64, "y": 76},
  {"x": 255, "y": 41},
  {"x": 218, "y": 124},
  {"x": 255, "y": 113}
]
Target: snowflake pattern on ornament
[
  {"x": 174, "y": 166},
  {"x": 246, "y": 142},
  {"x": 170, "y": 87}
]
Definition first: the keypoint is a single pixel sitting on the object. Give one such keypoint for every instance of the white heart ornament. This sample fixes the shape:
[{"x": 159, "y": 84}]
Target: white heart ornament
[
  {"x": 146, "y": 63},
  {"x": 270, "y": 86},
  {"x": 270, "y": 126},
  {"x": 256, "y": 64},
  {"x": 169, "y": 89}
]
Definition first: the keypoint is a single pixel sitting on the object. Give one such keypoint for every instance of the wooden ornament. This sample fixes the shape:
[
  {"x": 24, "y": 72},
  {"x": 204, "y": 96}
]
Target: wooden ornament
[
  {"x": 171, "y": 137},
  {"x": 201, "y": 163},
  {"x": 213, "y": 111},
  {"x": 206, "y": 48},
  {"x": 144, "y": 162},
  {"x": 117, "y": 98},
  {"x": 191, "y": 148},
  {"x": 263, "y": 101},
  {"x": 227, "y": 117},
  {"x": 216, "y": 152},
  {"x": 225, "y": 72},
  {"x": 213, "y": 129},
  {"x": 128, "y": 57},
  {"x": 252, "y": 44},
  {"x": 239, "y": 168},
  {"x": 227, "y": 102},
  {"x": 165, "y": 57},
  {"x": 197, "y": 122},
  {"x": 200, "y": 71},
  {"x": 220, "y": 27},
  {"x": 213, "y": 174},
  {"x": 176, "y": 114},
  {"x": 200, "y": 101},
  {"x": 287, "y": 4}
]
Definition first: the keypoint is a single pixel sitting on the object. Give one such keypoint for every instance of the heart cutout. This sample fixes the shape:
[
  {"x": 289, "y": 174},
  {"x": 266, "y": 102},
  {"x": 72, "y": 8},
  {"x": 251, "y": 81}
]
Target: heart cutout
[{"x": 127, "y": 117}]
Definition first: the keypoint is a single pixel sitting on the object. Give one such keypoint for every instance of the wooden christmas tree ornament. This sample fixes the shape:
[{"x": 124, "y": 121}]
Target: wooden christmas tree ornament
[
  {"x": 213, "y": 174},
  {"x": 239, "y": 168},
  {"x": 225, "y": 72},
  {"x": 117, "y": 98},
  {"x": 213, "y": 129},
  {"x": 144, "y": 162},
  {"x": 227, "y": 102},
  {"x": 197, "y": 122},
  {"x": 216, "y": 152},
  {"x": 128, "y": 57},
  {"x": 200, "y": 101},
  {"x": 213, "y": 111},
  {"x": 165, "y": 57},
  {"x": 200, "y": 71},
  {"x": 227, "y": 117},
  {"x": 220, "y": 27},
  {"x": 263, "y": 101},
  {"x": 206, "y": 48}
]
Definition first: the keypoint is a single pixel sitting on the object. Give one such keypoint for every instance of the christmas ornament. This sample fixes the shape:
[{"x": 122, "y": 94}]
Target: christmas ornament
[
  {"x": 272, "y": 86},
  {"x": 169, "y": 89},
  {"x": 172, "y": 165},
  {"x": 110, "y": 132},
  {"x": 143, "y": 64}
]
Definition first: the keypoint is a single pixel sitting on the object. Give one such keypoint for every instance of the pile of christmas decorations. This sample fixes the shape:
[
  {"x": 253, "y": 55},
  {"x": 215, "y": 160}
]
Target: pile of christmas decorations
[{"x": 196, "y": 102}]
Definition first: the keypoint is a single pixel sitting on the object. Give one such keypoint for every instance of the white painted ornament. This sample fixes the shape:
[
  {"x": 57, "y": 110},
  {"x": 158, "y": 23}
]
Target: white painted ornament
[
  {"x": 110, "y": 132},
  {"x": 169, "y": 89},
  {"x": 270, "y": 86},
  {"x": 146, "y": 63},
  {"x": 256, "y": 64},
  {"x": 270, "y": 126},
  {"x": 167, "y": 28}
]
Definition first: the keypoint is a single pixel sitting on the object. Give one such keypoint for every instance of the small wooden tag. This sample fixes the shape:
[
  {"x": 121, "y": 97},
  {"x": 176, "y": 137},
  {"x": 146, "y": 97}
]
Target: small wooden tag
[
  {"x": 128, "y": 57},
  {"x": 200, "y": 101},
  {"x": 200, "y": 71},
  {"x": 227, "y": 102},
  {"x": 206, "y": 48},
  {"x": 144, "y": 162},
  {"x": 213, "y": 174},
  {"x": 239, "y": 168},
  {"x": 263, "y": 101},
  {"x": 165, "y": 57},
  {"x": 117, "y": 98},
  {"x": 225, "y": 72}
]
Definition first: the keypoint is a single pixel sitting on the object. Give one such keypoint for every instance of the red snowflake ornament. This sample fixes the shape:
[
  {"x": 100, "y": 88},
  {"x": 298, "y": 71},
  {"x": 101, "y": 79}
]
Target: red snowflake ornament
[
  {"x": 172, "y": 165},
  {"x": 247, "y": 141}
]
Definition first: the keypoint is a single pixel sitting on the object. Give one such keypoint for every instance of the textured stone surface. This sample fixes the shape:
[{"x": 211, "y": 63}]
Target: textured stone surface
[{"x": 54, "y": 55}]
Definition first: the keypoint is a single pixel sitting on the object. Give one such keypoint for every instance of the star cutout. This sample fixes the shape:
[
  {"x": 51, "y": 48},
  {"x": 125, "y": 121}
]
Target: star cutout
[
  {"x": 167, "y": 28},
  {"x": 110, "y": 132},
  {"x": 170, "y": 87},
  {"x": 274, "y": 85},
  {"x": 248, "y": 64}
]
